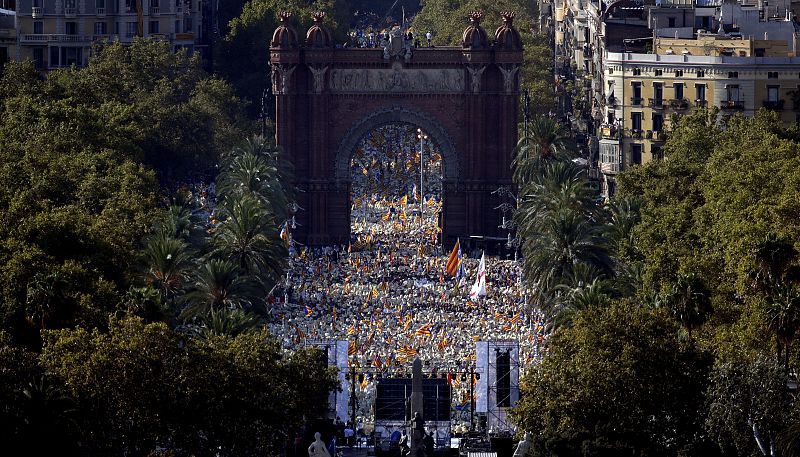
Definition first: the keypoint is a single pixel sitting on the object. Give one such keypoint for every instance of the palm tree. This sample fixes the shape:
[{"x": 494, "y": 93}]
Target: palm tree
[
  {"x": 545, "y": 139},
  {"x": 775, "y": 276},
  {"x": 230, "y": 322},
  {"x": 249, "y": 236},
  {"x": 625, "y": 215},
  {"x": 576, "y": 299},
  {"x": 218, "y": 284},
  {"x": 558, "y": 184},
  {"x": 257, "y": 168},
  {"x": 783, "y": 319},
  {"x": 560, "y": 242},
  {"x": 690, "y": 302},
  {"x": 168, "y": 261}
]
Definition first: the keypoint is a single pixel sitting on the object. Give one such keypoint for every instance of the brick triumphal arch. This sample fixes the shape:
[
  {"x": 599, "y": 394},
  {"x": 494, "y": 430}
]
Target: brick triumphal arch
[{"x": 465, "y": 98}]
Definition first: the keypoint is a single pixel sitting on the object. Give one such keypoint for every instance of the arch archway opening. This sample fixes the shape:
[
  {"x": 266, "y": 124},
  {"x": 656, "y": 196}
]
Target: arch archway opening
[{"x": 396, "y": 185}]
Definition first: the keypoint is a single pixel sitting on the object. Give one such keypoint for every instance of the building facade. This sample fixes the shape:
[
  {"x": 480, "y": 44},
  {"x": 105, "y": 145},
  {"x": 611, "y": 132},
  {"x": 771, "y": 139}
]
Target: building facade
[
  {"x": 60, "y": 33},
  {"x": 635, "y": 66}
]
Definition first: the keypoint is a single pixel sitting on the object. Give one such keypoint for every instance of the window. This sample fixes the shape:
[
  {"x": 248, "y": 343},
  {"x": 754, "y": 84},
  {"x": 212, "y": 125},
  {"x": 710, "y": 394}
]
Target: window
[
  {"x": 636, "y": 121},
  {"x": 701, "y": 73},
  {"x": 38, "y": 58},
  {"x": 116, "y": 28},
  {"x": 3, "y": 56},
  {"x": 773, "y": 93},
  {"x": 678, "y": 91},
  {"x": 671, "y": 22},
  {"x": 130, "y": 6},
  {"x": 658, "y": 72},
  {"x": 71, "y": 28},
  {"x": 733, "y": 93},
  {"x": 678, "y": 73},
  {"x": 188, "y": 26},
  {"x": 637, "y": 72},
  {"x": 54, "y": 53},
  {"x": 69, "y": 4},
  {"x": 637, "y": 93},
  {"x": 130, "y": 29},
  {"x": 700, "y": 91},
  {"x": 71, "y": 56},
  {"x": 153, "y": 3},
  {"x": 38, "y": 27},
  {"x": 658, "y": 93},
  {"x": 99, "y": 4},
  {"x": 153, "y": 27},
  {"x": 100, "y": 28},
  {"x": 656, "y": 152},
  {"x": 759, "y": 52},
  {"x": 636, "y": 154},
  {"x": 658, "y": 122},
  {"x": 610, "y": 71},
  {"x": 772, "y": 74},
  {"x": 733, "y": 74}
]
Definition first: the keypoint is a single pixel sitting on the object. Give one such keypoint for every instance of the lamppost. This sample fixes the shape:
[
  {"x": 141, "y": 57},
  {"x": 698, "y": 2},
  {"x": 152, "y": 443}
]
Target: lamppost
[{"x": 422, "y": 137}]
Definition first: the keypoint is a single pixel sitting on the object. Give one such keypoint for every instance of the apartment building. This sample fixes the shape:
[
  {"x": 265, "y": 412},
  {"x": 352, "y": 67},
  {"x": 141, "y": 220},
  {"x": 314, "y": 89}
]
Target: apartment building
[
  {"x": 636, "y": 65},
  {"x": 8, "y": 35},
  {"x": 60, "y": 33}
]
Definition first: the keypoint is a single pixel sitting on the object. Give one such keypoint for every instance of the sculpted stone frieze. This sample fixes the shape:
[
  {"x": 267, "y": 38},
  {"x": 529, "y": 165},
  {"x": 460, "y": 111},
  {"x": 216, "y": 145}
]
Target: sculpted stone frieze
[{"x": 397, "y": 80}]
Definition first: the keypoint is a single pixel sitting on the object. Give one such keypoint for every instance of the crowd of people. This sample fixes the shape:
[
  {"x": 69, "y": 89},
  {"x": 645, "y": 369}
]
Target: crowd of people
[{"x": 388, "y": 295}]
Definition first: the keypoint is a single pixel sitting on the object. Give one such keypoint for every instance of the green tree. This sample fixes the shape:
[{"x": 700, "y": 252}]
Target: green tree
[{"x": 617, "y": 382}]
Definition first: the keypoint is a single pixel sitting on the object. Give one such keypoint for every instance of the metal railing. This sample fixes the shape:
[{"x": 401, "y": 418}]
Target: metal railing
[
  {"x": 154, "y": 10},
  {"x": 70, "y": 12},
  {"x": 731, "y": 104},
  {"x": 58, "y": 37},
  {"x": 37, "y": 12},
  {"x": 100, "y": 11},
  {"x": 657, "y": 103}
]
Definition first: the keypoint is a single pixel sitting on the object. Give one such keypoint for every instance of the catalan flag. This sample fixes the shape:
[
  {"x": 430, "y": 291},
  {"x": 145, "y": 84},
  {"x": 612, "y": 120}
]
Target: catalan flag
[
  {"x": 309, "y": 311},
  {"x": 351, "y": 330},
  {"x": 408, "y": 323},
  {"x": 409, "y": 351},
  {"x": 453, "y": 260},
  {"x": 285, "y": 233},
  {"x": 351, "y": 348},
  {"x": 377, "y": 362},
  {"x": 443, "y": 344},
  {"x": 499, "y": 316},
  {"x": 515, "y": 320},
  {"x": 404, "y": 200},
  {"x": 423, "y": 331}
]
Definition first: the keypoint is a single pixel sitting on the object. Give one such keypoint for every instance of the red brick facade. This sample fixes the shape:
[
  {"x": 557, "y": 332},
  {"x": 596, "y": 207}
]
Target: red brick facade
[{"x": 321, "y": 115}]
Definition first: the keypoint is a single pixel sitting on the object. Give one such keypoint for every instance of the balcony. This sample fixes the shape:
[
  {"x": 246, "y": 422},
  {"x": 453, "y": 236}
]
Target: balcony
[
  {"x": 776, "y": 105},
  {"x": 656, "y": 103},
  {"x": 70, "y": 12},
  {"x": 101, "y": 12},
  {"x": 186, "y": 36},
  {"x": 679, "y": 103},
  {"x": 54, "y": 37},
  {"x": 37, "y": 12},
  {"x": 636, "y": 101},
  {"x": 636, "y": 134},
  {"x": 155, "y": 11},
  {"x": 701, "y": 103},
  {"x": 731, "y": 104}
]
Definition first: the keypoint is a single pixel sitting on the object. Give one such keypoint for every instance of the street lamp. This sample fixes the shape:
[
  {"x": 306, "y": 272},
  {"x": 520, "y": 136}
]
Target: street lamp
[{"x": 422, "y": 137}]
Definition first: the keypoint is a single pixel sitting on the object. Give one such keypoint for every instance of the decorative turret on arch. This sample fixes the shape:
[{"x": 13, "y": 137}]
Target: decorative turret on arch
[
  {"x": 318, "y": 35},
  {"x": 285, "y": 36},
  {"x": 474, "y": 36},
  {"x": 507, "y": 37}
]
